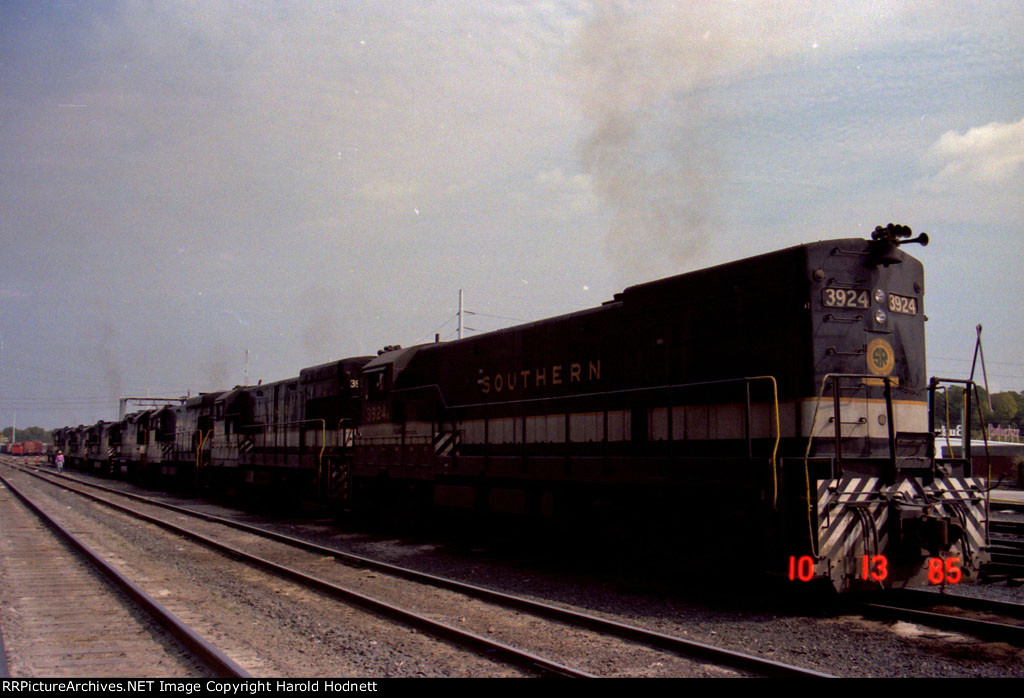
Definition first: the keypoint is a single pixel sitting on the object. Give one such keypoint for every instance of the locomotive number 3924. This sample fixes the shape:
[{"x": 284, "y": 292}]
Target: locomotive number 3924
[
  {"x": 902, "y": 304},
  {"x": 845, "y": 298}
]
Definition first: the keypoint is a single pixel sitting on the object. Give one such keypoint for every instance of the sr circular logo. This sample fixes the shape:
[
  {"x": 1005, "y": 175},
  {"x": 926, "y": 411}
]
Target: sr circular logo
[{"x": 881, "y": 358}]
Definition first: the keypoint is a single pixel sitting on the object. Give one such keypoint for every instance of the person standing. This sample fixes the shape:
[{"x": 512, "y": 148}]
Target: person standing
[{"x": 59, "y": 460}]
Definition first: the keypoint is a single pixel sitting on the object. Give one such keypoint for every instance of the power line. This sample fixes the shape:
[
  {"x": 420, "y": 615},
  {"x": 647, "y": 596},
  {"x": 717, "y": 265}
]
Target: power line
[
  {"x": 498, "y": 317},
  {"x": 949, "y": 358},
  {"x": 436, "y": 330}
]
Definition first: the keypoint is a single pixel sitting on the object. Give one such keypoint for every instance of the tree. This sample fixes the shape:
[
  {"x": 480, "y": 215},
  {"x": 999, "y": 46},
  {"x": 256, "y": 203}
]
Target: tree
[
  {"x": 1004, "y": 407},
  {"x": 30, "y": 434}
]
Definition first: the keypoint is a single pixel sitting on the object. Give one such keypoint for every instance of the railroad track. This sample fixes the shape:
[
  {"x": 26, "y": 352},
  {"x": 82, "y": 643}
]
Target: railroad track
[
  {"x": 1007, "y": 552},
  {"x": 392, "y": 590},
  {"x": 273, "y": 628},
  {"x": 985, "y": 618},
  {"x": 74, "y": 622}
]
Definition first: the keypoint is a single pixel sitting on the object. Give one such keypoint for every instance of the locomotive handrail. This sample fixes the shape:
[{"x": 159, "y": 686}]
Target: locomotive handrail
[
  {"x": 837, "y": 432},
  {"x": 970, "y": 386},
  {"x": 984, "y": 435},
  {"x": 933, "y": 384},
  {"x": 931, "y": 425},
  {"x": 391, "y": 440},
  {"x": 778, "y": 434},
  {"x": 282, "y": 424},
  {"x": 849, "y": 253},
  {"x": 323, "y": 427},
  {"x": 199, "y": 449},
  {"x": 323, "y": 437},
  {"x": 606, "y": 393},
  {"x": 351, "y": 428},
  {"x": 829, "y": 317},
  {"x": 965, "y": 439},
  {"x": 988, "y": 458},
  {"x": 575, "y": 396}
]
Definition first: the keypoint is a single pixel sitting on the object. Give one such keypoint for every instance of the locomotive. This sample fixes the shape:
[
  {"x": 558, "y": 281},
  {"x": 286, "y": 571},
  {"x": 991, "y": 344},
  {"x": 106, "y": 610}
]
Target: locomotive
[{"x": 772, "y": 410}]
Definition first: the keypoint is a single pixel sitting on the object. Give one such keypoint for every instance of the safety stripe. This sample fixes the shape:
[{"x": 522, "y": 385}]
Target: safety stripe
[
  {"x": 840, "y": 527},
  {"x": 971, "y": 504},
  {"x": 840, "y": 530},
  {"x": 444, "y": 443}
]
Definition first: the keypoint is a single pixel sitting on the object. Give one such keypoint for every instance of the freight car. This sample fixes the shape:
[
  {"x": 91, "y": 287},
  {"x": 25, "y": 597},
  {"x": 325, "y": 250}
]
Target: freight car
[
  {"x": 34, "y": 448},
  {"x": 25, "y": 448},
  {"x": 772, "y": 411}
]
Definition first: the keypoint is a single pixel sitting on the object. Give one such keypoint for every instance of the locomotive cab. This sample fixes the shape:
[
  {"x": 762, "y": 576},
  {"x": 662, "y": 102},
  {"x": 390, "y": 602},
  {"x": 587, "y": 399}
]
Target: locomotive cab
[{"x": 886, "y": 508}]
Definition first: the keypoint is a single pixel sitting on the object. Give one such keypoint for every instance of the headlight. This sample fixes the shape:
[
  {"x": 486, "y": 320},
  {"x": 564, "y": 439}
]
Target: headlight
[
  {"x": 879, "y": 295},
  {"x": 880, "y": 316}
]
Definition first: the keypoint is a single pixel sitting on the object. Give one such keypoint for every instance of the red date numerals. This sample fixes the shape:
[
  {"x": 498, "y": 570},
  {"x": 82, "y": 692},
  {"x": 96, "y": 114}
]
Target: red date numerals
[
  {"x": 874, "y": 568},
  {"x": 801, "y": 568},
  {"x": 944, "y": 570}
]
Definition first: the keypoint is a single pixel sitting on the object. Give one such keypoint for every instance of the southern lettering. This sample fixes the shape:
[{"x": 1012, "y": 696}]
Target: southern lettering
[{"x": 542, "y": 377}]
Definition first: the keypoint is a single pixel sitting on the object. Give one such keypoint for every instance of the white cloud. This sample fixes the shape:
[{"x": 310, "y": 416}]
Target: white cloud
[
  {"x": 574, "y": 193},
  {"x": 991, "y": 155},
  {"x": 386, "y": 191}
]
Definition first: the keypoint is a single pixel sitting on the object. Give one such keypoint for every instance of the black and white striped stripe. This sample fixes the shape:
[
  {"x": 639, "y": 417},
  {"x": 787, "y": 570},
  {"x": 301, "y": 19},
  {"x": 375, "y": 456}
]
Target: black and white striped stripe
[
  {"x": 444, "y": 443},
  {"x": 848, "y": 506}
]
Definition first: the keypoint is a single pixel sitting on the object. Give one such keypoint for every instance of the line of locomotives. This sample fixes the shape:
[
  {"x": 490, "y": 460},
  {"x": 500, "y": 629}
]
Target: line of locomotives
[{"x": 770, "y": 413}]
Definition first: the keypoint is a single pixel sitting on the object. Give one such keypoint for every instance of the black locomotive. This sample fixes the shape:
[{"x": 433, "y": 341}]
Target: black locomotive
[{"x": 772, "y": 411}]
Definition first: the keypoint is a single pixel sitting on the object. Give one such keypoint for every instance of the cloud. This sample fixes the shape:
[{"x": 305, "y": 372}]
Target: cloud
[
  {"x": 574, "y": 193},
  {"x": 648, "y": 77},
  {"x": 989, "y": 155},
  {"x": 386, "y": 191}
]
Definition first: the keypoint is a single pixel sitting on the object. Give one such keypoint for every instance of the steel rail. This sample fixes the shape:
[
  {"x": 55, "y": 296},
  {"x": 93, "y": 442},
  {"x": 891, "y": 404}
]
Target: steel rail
[
  {"x": 221, "y": 664},
  {"x": 5, "y": 673},
  {"x": 1013, "y": 634},
  {"x": 919, "y": 598},
  {"x": 491, "y": 648},
  {"x": 677, "y": 645}
]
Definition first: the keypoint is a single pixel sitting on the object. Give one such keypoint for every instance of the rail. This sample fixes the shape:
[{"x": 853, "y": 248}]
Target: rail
[
  {"x": 681, "y": 646},
  {"x": 201, "y": 648}
]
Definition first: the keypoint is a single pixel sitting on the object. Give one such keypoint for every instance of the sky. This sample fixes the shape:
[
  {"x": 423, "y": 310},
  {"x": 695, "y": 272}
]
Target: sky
[{"x": 194, "y": 192}]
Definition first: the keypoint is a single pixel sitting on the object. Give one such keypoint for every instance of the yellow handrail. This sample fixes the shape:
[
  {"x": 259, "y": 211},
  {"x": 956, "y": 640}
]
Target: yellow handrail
[
  {"x": 199, "y": 451},
  {"x": 778, "y": 436}
]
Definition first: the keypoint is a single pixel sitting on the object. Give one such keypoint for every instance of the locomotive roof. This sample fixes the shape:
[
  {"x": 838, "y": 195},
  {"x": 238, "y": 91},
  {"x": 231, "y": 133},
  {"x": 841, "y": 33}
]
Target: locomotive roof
[
  {"x": 331, "y": 369},
  {"x": 203, "y": 399},
  {"x": 874, "y": 253},
  {"x": 644, "y": 293}
]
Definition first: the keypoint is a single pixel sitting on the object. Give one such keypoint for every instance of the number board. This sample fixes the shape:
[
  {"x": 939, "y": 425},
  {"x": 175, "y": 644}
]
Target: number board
[
  {"x": 845, "y": 298},
  {"x": 902, "y": 304}
]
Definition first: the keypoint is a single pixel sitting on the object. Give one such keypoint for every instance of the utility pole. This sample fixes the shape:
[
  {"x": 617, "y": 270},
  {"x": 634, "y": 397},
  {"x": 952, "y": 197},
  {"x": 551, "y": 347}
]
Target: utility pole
[{"x": 460, "y": 313}]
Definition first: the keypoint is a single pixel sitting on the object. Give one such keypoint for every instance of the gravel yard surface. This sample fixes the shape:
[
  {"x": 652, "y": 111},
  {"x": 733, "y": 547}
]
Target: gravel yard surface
[
  {"x": 804, "y": 629},
  {"x": 270, "y": 627}
]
